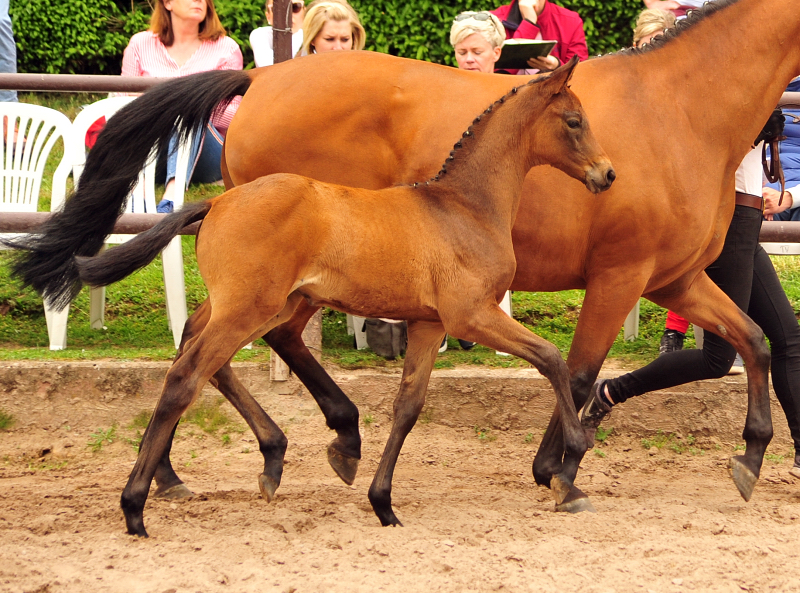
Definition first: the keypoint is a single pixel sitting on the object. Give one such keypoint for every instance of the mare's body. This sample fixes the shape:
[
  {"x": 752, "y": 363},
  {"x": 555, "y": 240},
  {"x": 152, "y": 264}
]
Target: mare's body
[{"x": 676, "y": 121}]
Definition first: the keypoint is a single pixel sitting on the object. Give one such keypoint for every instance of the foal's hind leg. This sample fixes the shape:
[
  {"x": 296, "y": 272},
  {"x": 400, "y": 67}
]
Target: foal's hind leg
[
  {"x": 341, "y": 415},
  {"x": 491, "y": 327},
  {"x": 424, "y": 339}
]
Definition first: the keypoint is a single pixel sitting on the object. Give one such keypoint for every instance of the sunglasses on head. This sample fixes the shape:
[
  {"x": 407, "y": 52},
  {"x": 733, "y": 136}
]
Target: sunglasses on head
[{"x": 478, "y": 16}]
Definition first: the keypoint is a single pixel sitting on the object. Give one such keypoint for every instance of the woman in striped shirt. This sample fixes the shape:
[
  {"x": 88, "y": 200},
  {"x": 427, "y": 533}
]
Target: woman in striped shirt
[{"x": 186, "y": 37}]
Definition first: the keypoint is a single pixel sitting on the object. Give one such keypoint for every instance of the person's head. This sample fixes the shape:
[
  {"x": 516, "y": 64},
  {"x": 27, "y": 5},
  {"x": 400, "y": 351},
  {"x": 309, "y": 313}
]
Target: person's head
[
  {"x": 298, "y": 8},
  {"x": 200, "y": 11},
  {"x": 331, "y": 25},
  {"x": 477, "y": 38},
  {"x": 651, "y": 22}
]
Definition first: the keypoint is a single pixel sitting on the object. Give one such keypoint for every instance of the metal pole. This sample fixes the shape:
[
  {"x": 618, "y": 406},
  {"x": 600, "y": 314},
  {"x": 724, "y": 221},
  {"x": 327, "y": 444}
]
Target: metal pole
[
  {"x": 77, "y": 83},
  {"x": 127, "y": 224}
]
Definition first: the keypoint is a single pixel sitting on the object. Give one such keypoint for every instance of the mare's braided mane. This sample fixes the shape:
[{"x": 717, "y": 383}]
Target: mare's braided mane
[
  {"x": 470, "y": 132},
  {"x": 692, "y": 18}
]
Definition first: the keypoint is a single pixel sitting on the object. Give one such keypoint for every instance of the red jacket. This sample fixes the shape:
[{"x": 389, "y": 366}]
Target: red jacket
[{"x": 555, "y": 23}]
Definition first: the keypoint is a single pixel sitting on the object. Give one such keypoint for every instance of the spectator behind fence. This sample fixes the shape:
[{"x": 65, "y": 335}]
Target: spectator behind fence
[
  {"x": 186, "y": 37},
  {"x": 541, "y": 19},
  {"x": 790, "y": 161},
  {"x": 679, "y": 9},
  {"x": 331, "y": 25},
  {"x": 8, "y": 50},
  {"x": 261, "y": 38},
  {"x": 650, "y": 23},
  {"x": 477, "y": 38}
]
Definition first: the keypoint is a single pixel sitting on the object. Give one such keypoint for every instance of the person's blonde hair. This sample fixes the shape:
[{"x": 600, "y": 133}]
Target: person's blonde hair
[
  {"x": 650, "y": 21},
  {"x": 491, "y": 29},
  {"x": 319, "y": 13},
  {"x": 161, "y": 24}
]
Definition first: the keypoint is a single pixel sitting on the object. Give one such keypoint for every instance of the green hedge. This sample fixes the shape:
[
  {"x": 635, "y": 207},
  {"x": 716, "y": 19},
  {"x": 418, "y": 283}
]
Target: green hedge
[{"x": 89, "y": 36}]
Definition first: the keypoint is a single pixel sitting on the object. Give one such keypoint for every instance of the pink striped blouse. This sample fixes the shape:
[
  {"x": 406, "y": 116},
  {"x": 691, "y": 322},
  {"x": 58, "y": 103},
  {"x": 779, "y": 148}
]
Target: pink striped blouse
[{"x": 147, "y": 56}]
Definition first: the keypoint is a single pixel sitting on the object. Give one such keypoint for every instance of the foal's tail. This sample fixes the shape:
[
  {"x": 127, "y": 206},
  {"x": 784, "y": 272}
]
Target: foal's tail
[
  {"x": 117, "y": 263},
  {"x": 47, "y": 259}
]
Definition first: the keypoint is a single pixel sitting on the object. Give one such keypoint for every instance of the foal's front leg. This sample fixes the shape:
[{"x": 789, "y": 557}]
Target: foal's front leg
[
  {"x": 491, "y": 327},
  {"x": 424, "y": 339}
]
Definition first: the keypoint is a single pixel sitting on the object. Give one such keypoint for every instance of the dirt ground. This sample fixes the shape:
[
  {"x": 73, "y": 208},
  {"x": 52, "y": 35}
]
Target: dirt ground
[{"x": 669, "y": 518}]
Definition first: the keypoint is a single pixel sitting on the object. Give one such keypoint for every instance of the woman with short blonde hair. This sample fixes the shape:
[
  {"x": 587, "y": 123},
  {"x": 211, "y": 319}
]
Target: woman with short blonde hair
[
  {"x": 477, "y": 38},
  {"x": 331, "y": 25},
  {"x": 651, "y": 22}
]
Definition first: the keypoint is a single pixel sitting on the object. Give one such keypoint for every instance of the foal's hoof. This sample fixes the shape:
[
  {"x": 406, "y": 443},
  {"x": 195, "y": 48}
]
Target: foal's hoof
[
  {"x": 576, "y": 502},
  {"x": 743, "y": 477},
  {"x": 345, "y": 466},
  {"x": 268, "y": 486},
  {"x": 176, "y": 491}
]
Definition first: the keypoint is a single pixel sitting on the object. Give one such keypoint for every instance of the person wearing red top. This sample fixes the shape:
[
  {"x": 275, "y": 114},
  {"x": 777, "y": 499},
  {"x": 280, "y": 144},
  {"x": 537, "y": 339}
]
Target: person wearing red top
[{"x": 541, "y": 19}]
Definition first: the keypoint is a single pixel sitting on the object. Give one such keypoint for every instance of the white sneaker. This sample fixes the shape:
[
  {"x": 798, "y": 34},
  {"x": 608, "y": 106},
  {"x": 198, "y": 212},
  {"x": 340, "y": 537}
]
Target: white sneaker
[
  {"x": 443, "y": 347},
  {"x": 738, "y": 366}
]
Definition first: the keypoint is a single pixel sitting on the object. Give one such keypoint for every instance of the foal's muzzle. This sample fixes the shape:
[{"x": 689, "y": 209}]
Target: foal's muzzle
[{"x": 600, "y": 177}]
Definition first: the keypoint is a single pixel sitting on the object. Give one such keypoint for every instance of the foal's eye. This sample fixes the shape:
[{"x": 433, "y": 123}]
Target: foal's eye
[{"x": 574, "y": 123}]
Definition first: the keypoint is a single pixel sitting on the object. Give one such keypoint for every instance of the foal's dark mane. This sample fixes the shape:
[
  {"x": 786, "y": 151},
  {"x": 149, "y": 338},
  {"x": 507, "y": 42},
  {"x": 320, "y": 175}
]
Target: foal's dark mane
[
  {"x": 469, "y": 134},
  {"x": 692, "y": 18}
]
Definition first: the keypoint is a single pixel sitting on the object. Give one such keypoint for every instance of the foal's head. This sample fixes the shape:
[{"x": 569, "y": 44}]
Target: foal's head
[{"x": 560, "y": 135}]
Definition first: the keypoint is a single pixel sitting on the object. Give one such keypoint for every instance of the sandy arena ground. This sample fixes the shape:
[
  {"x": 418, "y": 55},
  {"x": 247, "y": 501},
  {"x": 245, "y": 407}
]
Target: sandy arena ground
[{"x": 474, "y": 518}]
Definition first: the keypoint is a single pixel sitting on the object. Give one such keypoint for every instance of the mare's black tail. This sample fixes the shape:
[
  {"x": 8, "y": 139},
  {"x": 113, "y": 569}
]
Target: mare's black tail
[
  {"x": 47, "y": 259},
  {"x": 117, "y": 263}
]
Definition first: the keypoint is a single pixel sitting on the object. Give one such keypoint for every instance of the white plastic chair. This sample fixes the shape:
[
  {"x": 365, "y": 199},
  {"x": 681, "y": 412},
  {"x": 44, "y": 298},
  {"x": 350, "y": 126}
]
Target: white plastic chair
[
  {"x": 141, "y": 200},
  {"x": 23, "y": 162}
]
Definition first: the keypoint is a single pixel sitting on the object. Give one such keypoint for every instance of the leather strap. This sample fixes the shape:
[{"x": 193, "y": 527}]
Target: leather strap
[{"x": 750, "y": 201}]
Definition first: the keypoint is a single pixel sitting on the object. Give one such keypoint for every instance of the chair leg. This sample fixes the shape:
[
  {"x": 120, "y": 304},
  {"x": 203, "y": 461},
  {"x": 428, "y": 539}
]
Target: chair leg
[
  {"x": 57, "y": 327},
  {"x": 97, "y": 307},
  {"x": 175, "y": 288}
]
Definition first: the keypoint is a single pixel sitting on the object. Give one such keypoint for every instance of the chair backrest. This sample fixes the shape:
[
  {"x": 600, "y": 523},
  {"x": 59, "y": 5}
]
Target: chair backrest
[
  {"x": 143, "y": 197},
  {"x": 23, "y": 161}
]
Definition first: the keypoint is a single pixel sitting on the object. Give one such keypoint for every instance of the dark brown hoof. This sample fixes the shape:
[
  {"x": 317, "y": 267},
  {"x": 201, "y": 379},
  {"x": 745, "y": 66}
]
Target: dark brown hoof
[
  {"x": 743, "y": 477},
  {"x": 174, "y": 492},
  {"x": 268, "y": 486},
  {"x": 569, "y": 499},
  {"x": 576, "y": 505},
  {"x": 346, "y": 467}
]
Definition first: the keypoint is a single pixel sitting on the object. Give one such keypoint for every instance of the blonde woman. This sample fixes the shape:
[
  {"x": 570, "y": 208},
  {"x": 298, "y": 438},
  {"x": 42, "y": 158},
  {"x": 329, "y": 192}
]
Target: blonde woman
[
  {"x": 651, "y": 22},
  {"x": 477, "y": 38},
  {"x": 331, "y": 26}
]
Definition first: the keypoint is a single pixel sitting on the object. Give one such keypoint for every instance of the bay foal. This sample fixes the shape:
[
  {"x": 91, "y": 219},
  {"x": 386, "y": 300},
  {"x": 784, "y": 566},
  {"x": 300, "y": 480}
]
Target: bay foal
[{"x": 438, "y": 254}]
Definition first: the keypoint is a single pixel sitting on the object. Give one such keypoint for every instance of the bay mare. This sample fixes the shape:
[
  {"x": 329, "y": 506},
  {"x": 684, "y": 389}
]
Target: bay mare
[
  {"x": 676, "y": 120},
  {"x": 267, "y": 245}
]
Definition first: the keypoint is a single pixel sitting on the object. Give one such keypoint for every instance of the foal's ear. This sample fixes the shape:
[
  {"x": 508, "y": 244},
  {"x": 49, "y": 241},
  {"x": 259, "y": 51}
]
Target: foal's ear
[{"x": 562, "y": 75}]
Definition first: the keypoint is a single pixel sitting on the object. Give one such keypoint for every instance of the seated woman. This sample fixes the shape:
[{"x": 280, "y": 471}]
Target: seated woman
[
  {"x": 477, "y": 38},
  {"x": 331, "y": 26},
  {"x": 650, "y": 23},
  {"x": 186, "y": 37},
  {"x": 261, "y": 38}
]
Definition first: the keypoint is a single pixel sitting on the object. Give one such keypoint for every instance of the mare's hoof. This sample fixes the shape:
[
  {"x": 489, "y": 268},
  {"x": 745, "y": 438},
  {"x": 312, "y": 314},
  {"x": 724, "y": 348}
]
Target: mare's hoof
[
  {"x": 743, "y": 477},
  {"x": 268, "y": 486},
  {"x": 390, "y": 520},
  {"x": 176, "y": 491},
  {"x": 576, "y": 502},
  {"x": 560, "y": 488},
  {"x": 345, "y": 466}
]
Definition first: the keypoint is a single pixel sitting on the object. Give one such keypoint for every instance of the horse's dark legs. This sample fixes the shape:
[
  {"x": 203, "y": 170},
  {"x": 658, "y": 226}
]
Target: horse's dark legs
[
  {"x": 424, "y": 339},
  {"x": 169, "y": 485},
  {"x": 597, "y": 327},
  {"x": 491, "y": 327},
  {"x": 341, "y": 415},
  {"x": 705, "y": 304},
  {"x": 271, "y": 440}
]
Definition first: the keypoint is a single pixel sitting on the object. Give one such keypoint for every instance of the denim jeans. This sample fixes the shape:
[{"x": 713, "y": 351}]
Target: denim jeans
[
  {"x": 204, "y": 157},
  {"x": 745, "y": 273},
  {"x": 8, "y": 50}
]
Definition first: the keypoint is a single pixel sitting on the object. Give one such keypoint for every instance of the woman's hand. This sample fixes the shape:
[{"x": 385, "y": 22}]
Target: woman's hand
[
  {"x": 771, "y": 198},
  {"x": 544, "y": 64},
  {"x": 528, "y": 10}
]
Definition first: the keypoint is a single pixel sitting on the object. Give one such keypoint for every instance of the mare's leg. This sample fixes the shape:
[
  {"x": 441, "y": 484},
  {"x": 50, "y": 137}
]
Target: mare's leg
[
  {"x": 424, "y": 339},
  {"x": 341, "y": 414},
  {"x": 490, "y": 326},
  {"x": 602, "y": 314},
  {"x": 706, "y": 305}
]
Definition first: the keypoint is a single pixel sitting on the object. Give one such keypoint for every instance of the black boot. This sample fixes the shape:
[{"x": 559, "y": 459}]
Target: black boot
[{"x": 671, "y": 341}]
